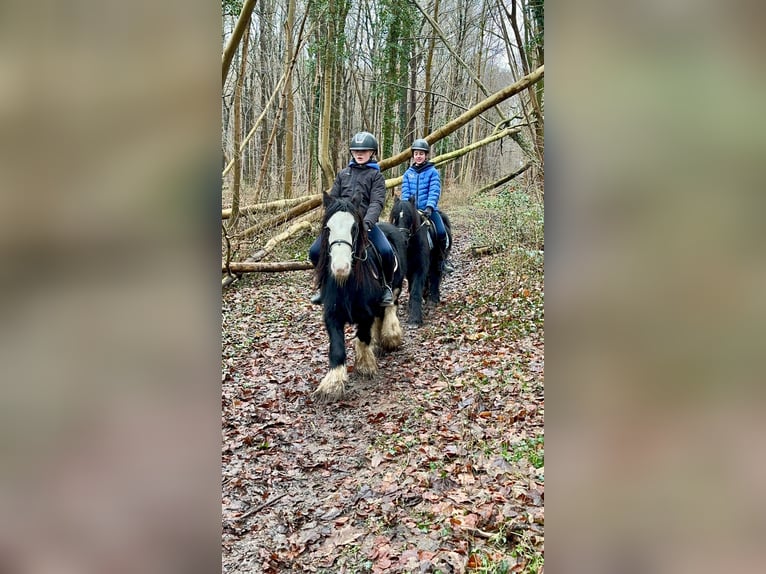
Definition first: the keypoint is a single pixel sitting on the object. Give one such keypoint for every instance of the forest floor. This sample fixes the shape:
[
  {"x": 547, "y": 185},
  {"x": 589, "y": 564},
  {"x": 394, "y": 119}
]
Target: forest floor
[{"x": 435, "y": 465}]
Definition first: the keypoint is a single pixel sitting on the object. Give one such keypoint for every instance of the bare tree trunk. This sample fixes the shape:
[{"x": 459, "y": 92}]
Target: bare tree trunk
[
  {"x": 536, "y": 112},
  {"x": 243, "y": 23},
  {"x": 236, "y": 185},
  {"x": 411, "y": 123},
  {"x": 289, "y": 104},
  {"x": 328, "y": 173},
  {"x": 429, "y": 63}
]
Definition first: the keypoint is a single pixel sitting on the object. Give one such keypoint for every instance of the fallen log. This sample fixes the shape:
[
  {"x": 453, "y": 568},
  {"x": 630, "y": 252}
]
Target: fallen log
[
  {"x": 312, "y": 202},
  {"x": 267, "y": 267},
  {"x": 259, "y": 207}
]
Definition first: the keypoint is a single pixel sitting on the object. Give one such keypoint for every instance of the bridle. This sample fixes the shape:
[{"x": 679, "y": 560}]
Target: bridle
[
  {"x": 408, "y": 233},
  {"x": 351, "y": 245}
]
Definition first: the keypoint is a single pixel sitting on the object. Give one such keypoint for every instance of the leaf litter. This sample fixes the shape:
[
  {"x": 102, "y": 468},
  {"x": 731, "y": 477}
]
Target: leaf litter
[{"x": 434, "y": 462}]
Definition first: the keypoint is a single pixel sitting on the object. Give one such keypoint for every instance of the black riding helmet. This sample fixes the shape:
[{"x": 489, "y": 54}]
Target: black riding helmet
[
  {"x": 421, "y": 145},
  {"x": 363, "y": 141}
]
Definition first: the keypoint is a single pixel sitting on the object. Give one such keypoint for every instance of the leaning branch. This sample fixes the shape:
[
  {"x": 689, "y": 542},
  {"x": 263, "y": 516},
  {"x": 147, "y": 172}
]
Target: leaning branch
[
  {"x": 440, "y": 160},
  {"x": 507, "y": 178},
  {"x": 311, "y": 202},
  {"x": 236, "y": 36},
  {"x": 467, "y": 116}
]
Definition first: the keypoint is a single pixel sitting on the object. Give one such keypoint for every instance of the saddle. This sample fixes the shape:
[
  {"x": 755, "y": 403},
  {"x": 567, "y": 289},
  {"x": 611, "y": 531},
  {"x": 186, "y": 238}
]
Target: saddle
[
  {"x": 433, "y": 236},
  {"x": 377, "y": 261}
]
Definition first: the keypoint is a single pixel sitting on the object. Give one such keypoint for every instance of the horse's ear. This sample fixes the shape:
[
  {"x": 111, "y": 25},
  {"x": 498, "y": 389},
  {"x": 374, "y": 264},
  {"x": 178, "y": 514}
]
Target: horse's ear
[{"x": 326, "y": 199}]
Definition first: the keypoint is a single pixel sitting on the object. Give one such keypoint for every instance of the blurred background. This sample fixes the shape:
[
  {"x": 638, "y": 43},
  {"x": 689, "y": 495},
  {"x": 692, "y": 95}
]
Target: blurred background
[
  {"x": 109, "y": 314},
  {"x": 655, "y": 275}
]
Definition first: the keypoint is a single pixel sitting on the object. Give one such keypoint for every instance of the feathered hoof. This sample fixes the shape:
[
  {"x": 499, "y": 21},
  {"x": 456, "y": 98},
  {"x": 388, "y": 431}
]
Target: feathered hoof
[
  {"x": 391, "y": 334},
  {"x": 365, "y": 365},
  {"x": 333, "y": 386}
]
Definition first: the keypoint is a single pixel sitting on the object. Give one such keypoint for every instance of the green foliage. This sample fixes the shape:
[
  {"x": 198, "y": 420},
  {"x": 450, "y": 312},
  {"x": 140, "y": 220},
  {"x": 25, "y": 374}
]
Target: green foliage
[
  {"x": 398, "y": 23},
  {"x": 531, "y": 449},
  {"x": 231, "y": 7},
  {"x": 536, "y": 17},
  {"x": 521, "y": 220}
]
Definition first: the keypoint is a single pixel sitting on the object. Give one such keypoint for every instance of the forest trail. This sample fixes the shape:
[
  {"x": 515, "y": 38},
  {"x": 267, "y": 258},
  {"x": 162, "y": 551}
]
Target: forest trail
[{"x": 435, "y": 465}]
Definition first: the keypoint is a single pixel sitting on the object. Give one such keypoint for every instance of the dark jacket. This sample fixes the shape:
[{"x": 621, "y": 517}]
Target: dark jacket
[
  {"x": 423, "y": 183},
  {"x": 365, "y": 180}
]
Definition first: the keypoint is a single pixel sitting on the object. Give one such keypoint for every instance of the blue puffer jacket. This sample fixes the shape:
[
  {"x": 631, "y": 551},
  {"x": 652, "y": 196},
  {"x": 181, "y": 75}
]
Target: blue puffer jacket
[{"x": 423, "y": 183}]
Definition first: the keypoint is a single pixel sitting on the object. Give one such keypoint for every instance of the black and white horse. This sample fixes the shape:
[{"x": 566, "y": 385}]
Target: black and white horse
[
  {"x": 348, "y": 275},
  {"x": 425, "y": 258}
]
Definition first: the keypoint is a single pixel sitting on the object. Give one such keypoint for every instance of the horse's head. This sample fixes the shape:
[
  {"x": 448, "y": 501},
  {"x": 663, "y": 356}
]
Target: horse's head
[
  {"x": 343, "y": 236},
  {"x": 405, "y": 216}
]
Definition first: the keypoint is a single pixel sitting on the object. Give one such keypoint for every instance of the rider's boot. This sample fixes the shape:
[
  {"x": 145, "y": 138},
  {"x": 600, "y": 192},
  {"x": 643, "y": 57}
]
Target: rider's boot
[
  {"x": 387, "y": 300},
  {"x": 316, "y": 298}
]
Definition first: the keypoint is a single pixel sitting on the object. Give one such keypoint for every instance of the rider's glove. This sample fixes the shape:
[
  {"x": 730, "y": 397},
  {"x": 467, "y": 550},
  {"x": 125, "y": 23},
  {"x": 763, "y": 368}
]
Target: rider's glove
[
  {"x": 368, "y": 225},
  {"x": 429, "y": 211}
]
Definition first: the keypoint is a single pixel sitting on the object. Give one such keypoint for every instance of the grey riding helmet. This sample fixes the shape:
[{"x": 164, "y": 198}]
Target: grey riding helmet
[
  {"x": 421, "y": 145},
  {"x": 363, "y": 141}
]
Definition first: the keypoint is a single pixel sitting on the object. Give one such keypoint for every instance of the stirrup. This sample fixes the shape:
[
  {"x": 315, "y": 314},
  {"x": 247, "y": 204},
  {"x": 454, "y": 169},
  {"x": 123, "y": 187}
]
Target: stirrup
[{"x": 387, "y": 300}]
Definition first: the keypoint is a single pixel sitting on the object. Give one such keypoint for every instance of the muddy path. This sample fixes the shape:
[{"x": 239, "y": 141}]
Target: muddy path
[{"x": 434, "y": 465}]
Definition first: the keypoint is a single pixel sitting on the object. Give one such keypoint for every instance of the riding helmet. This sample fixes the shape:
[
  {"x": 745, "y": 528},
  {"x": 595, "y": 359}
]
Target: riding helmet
[
  {"x": 364, "y": 141},
  {"x": 422, "y": 145}
]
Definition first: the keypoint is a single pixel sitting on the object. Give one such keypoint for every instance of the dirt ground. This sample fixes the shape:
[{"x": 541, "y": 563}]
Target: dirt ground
[{"x": 435, "y": 465}]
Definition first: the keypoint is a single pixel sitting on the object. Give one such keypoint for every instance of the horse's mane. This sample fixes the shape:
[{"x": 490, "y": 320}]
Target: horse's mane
[{"x": 321, "y": 271}]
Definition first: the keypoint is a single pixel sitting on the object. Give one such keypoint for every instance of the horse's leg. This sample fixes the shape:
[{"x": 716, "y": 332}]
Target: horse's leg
[
  {"x": 366, "y": 365},
  {"x": 333, "y": 385},
  {"x": 391, "y": 330},
  {"x": 435, "y": 276},
  {"x": 417, "y": 287}
]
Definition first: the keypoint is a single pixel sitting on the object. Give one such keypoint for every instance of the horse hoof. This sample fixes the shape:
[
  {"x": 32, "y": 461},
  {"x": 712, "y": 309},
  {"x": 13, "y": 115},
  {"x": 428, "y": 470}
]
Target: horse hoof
[
  {"x": 333, "y": 386},
  {"x": 391, "y": 331}
]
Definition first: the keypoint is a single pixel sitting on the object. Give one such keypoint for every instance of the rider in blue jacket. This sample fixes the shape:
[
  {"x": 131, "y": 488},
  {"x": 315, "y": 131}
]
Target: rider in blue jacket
[{"x": 421, "y": 181}]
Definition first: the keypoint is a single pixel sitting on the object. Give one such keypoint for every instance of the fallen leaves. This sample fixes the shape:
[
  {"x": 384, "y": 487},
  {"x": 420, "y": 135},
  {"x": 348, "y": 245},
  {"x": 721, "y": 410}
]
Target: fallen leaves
[{"x": 419, "y": 469}]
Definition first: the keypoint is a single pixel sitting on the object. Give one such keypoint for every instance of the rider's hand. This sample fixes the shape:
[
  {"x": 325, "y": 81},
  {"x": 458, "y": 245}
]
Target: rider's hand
[
  {"x": 368, "y": 225},
  {"x": 429, "y": 211}
]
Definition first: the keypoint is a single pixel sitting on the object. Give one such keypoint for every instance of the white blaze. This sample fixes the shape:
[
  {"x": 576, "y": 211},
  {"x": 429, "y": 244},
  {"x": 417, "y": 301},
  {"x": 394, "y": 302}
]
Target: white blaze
[{"x": 340, "y": 226}]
